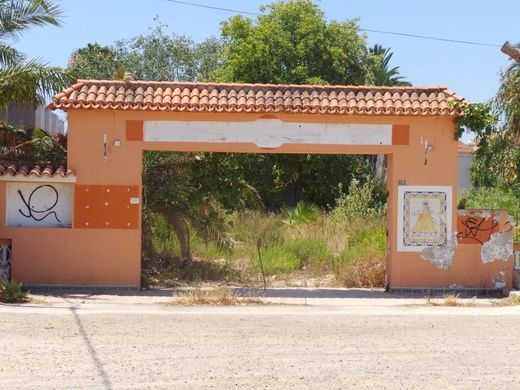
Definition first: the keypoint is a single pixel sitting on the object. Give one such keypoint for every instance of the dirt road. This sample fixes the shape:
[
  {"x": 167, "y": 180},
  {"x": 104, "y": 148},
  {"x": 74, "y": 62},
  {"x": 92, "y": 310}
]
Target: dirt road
[{"x": 82, "y": 346}]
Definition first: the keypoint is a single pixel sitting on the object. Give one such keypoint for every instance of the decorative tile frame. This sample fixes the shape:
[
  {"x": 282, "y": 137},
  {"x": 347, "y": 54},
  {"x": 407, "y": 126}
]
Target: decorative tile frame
[{"x": 424, "y": 217}]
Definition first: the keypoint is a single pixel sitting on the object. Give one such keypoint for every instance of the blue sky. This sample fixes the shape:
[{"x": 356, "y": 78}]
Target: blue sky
[{"x": 471, "y": 71}]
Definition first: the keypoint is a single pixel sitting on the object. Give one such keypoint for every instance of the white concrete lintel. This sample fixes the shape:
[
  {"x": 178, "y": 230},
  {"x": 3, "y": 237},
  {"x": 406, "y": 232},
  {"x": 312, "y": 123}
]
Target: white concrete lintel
[{"x": 268, "y": 133}]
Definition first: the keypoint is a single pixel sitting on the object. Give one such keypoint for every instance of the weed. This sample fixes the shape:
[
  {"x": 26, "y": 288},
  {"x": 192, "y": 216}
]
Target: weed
[
  {"x": 514, "y": 300},
  {"x": 214, "y": 296},
  {"x": 450, "y": 299},
  {"x": 12, "y": 292}
]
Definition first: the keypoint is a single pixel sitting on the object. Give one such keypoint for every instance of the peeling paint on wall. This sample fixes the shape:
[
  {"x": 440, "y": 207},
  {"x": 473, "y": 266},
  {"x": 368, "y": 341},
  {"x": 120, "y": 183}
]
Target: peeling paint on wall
[
  {"x": 499, "y": 247},
  {"x": 441, "y": 256}
]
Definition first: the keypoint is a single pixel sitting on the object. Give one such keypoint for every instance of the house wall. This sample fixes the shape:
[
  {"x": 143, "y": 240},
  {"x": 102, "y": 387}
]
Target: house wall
[
  {"x": 112, "y": 256},
  {"x": 465, "y": 161}
]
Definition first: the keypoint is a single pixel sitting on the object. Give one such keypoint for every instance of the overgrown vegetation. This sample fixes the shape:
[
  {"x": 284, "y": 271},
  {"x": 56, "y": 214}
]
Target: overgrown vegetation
[
  {"x": 12, "y": 291},
  {"x": 299, "y": 246}
]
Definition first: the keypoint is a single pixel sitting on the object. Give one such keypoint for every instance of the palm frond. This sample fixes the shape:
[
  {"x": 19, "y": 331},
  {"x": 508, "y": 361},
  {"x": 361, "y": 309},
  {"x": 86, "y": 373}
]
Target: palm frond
[
  {"x": 19, "y": 15},
  {"x": 30, "y": 81},
  {"x": 9, "y": 55},
  {"x": 381, "y": 72}
]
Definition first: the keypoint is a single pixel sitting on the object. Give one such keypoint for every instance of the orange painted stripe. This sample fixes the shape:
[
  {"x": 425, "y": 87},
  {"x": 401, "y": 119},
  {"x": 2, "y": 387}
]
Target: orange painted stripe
[
  {"x": 400, "y": 135},
  {"x": 134, "y": 130}
]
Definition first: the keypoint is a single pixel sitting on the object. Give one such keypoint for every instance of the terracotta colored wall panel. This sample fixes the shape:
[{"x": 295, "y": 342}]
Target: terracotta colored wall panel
[
  {"x": 106, "y": 207},
  {"x": 400, "y": 135},
  {"x": 134, "y": 130}
]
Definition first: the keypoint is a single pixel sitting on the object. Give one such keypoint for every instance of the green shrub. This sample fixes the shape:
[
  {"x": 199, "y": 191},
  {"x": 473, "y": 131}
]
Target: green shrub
[
  {"x": 12, "y": 292},
  {"x": 359, "y": 202},
  {"x": 490, "y": 198}
]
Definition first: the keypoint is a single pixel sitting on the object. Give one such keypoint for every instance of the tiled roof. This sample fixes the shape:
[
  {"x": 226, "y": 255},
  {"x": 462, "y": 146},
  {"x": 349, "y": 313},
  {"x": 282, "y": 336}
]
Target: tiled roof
[
  {"x": 463, "y": 148},
  {"x": 28, "y": 170},
  {"x": 268, "y": 98}
]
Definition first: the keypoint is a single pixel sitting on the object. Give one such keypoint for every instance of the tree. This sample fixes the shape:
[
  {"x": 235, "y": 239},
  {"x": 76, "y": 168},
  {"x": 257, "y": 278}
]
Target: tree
[
  {"x": 192, "y": 191},
  {"x": 21, "y": 79},
  {"x": 382, "y": 73},
  {"x": 154, "y": 56},
  {"x": 507, "y": 101},
  {"x": 94, "y": 62},
  {"x": 292, "y": 42}
]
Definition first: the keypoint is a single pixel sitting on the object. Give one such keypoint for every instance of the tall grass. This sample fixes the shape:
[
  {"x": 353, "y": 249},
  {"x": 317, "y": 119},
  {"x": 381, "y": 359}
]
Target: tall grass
[{"x": 348, "y": 243}]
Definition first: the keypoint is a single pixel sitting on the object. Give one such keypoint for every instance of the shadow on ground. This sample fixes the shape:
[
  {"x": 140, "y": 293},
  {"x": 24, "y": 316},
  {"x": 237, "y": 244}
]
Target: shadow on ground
[{"x": 97, "y": 295}]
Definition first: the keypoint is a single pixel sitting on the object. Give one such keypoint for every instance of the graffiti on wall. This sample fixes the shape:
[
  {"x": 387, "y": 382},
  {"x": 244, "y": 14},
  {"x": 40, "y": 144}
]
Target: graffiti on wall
[
  {"x": 39, "y": 205},
  {"x": 490, "y": 228},
  {"x": 424, "y": 218},
  {"x": 5, "y": 261},
  {"x": 40, "y": 211}
]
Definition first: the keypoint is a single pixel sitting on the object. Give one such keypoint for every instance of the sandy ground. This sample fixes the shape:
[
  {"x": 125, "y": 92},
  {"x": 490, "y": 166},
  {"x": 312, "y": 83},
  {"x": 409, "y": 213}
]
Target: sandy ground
[{"x": 361, "y": 340}]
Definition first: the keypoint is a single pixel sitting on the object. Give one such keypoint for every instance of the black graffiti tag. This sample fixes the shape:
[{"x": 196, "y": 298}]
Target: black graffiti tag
[
  {"x": 32, "y": 210},
  {"x": 473, "y": 227}
]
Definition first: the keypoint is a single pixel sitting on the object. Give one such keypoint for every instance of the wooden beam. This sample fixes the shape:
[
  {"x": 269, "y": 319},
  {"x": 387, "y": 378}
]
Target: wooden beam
[{"x": 511, "y": 51}]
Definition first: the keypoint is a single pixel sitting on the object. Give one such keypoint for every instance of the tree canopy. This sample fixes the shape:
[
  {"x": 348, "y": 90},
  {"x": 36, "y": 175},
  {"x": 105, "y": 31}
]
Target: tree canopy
[{"x": 292, "y": 42}]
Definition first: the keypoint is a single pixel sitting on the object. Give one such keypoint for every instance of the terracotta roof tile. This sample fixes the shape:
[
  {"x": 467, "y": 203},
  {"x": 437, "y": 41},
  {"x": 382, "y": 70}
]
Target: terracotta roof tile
[
  {"x": 464, "y": 148},
  {"x": 214, "y": 97},
  {"x": 35, "y": 170}
]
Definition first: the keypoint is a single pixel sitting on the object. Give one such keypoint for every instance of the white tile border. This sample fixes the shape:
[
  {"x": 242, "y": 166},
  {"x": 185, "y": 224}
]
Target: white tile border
[{"x": 400, "y": 215}]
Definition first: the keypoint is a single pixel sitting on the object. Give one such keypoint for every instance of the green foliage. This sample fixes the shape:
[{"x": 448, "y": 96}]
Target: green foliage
[
  {"x": 497, "y": 163},
  {"x": 491, "y": 198},
  {"x": 359, "y": 203},
  {"x": 12, "y": 292},
  {"x": 382, "y": 73},
  {"x": 301, "y": 213},
  {"x": 34, "y": 146},
  {"x": 369, "y": 240},
  {"x": 312, "y": 252},
  {"x": 278, "y": 260},
  {"x": 25, "y": 80},
  {"x": 507, "y": 100},
  {"x": 477, "y": 118},
  {"x": 94, "y": 62},
  {"x": 153, "y": 56},
  {"x": 292, "y": 42}
]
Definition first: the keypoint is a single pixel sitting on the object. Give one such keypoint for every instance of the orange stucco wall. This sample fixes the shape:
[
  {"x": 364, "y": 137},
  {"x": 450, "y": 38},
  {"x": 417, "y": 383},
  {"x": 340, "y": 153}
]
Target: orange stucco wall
[{"x": 112, "y": 256}]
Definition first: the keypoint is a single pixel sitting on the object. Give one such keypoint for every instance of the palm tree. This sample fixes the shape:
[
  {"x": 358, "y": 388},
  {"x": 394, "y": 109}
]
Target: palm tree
[
  {"x": 21, "y": 79},
  {"x": 383, "y": 75},
  {"x": 507, "y": 100}
]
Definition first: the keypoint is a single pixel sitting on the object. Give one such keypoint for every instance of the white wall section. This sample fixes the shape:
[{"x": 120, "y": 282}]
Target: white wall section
[
  {"x": 39, "y": 205},
  {"x": 268, "y": 133}
]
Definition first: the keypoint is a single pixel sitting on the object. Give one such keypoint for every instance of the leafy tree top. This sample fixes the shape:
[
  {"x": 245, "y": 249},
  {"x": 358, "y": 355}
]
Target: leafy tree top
[{"x": 293, "y": 43}]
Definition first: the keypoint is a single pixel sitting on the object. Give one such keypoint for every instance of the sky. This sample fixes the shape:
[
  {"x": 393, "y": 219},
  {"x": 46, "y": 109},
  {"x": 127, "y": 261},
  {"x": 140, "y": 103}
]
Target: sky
[{"x": 472, "y": 71}]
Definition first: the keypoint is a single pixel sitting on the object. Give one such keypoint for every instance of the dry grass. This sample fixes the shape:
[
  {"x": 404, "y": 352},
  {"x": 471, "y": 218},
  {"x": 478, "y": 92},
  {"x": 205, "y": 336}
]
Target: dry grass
[
  {"x": 514, "y": 300},
  {"x": 367, "y": 273},
  {"x": 219, "y": 296},
  {"x": 451, "y": 299}
]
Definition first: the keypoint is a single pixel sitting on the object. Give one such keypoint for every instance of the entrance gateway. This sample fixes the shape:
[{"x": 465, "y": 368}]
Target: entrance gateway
[{"x": 81, "y": 224}]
